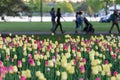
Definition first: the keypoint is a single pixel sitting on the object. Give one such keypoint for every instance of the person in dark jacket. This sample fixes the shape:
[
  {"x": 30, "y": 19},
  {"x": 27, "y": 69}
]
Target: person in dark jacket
[
  {"x": 76, "y": 22},
  {"x": 58, "y": 15},
  {"x": 52, "y": 13},
  {"x": 114, "y": 17}
]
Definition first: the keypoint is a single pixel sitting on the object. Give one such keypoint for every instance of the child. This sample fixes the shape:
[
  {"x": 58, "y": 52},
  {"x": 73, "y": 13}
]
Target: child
[{"x": 79, "y": 22}]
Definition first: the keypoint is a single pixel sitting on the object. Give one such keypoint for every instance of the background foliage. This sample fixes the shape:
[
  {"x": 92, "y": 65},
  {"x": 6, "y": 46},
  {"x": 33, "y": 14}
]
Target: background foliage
[{"x": 11, "y": 7}]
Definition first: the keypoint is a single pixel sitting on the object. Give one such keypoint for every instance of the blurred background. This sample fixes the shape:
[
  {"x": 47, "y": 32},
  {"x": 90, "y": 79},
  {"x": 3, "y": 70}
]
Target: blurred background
[{"x": 38, "y": 10}]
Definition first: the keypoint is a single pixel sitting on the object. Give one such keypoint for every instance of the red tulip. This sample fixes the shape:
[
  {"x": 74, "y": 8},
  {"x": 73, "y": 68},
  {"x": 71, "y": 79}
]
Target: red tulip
[
  {"x": 115, "y": 73},
  {"x": 22, "y": 78},
  {"x": 31, "y": 62}
]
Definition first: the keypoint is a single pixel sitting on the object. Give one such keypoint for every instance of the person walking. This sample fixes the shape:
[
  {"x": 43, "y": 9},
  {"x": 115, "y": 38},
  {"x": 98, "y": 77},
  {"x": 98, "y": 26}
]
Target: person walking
[
  {"x": 79, "y": 22},
  {"x": 114, "y": 17},
  {"x": 58, "y": 15},
  {"x": 76, "y": 22},
  {"x": 52, "y": 13}
]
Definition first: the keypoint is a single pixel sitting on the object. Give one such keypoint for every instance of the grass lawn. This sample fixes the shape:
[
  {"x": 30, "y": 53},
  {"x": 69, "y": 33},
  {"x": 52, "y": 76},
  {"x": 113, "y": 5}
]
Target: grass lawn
[{"x": 45, "y": 26}]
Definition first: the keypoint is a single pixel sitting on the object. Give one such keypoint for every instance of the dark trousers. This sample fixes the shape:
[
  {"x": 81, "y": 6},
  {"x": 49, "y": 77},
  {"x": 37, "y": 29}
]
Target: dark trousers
[
  {"x": 58, "y": 24},
  {"x": 116, "y": 26},
  {"x": 53, "y": 25}
]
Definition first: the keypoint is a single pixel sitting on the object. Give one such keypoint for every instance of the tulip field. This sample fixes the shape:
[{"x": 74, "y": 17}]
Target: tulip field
[{"x": 60, "y": 57}]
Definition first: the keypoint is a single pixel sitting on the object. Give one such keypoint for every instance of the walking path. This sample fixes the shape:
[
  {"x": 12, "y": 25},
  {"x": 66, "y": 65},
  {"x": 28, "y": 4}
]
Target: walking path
[{"x": 47, "y": 33}]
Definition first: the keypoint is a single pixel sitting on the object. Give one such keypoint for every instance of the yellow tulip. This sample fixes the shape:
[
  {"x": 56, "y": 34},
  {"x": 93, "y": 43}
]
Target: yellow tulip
[
  {"x": 41, "y": 76},
  {"x": 25, "y": 53},
  {"x": 38, "y": 63},
  {"x": 119, "y": 57},
  {"x": 103, "y": 73},
  {"x": 106, "y": 68},
  {"x": 45, "y": 57},
  {"x": 15, "y": 68},
  {"x": 15, "y": 56},
  {"x": 113, "y": 78},
  {"x": 24, "y": 73},
  {"x": 36, "y": 57},
  {"x": 64, "y": 64},
  {"x": 52, "y": 51},
  {"x": 41, "y": 56},
  {"x": 38, "y": 73},
  {"x": 94, "y": 62},
  {"x": 28, "y": 73},
  {"x": 67, "y": 55},
  {"x": 52, "y": 34},
  {"x": 95, "y": 70},
  {"x": 23, "y": 60},
  {"x": 57, "y": 73},
  {"x": 50, "y": 63},
  {"x": 118, "y": 77},
  {"x": 71, "y": 70},
  {"x": 64, "y": 75}
]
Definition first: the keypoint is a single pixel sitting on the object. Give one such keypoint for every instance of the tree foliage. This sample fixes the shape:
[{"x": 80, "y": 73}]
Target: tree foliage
[{"x": 12, "y": 6}]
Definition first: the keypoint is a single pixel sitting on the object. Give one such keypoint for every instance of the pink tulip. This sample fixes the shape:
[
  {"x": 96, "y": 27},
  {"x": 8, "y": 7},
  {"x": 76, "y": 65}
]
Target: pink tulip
[
  {"x": 83, "y": 60},
  {"x": 104, "y": 45},
  {"x": 53, "y": 57},
  {"x": 26, "y": 40},
  {"x": 12, "y": 59},
  {"x": 115, "y": 73},
  {"x": 38, "y": 47},
  {"x": 22, "y": 78},
  {"x": 74, "y": 48},
  {"x": 56, "y": 53},
  {"x": 3, "y": 39},
  {"x": 65, "y": 47},
  {"x": 19, "y": 63},
  {"x": 117, "y": 50},
  {"x": 30, "y": 56},
  {"x": 0, "y": 78},
  {"x": 114, "y": 56},
  {"x": 11, "y": 44},
  {"x": 110, "y": 49},
  {"x": 3, "y": 69},
  {"x": 97, "y": 78},
  {"x": 81, "y": 79},
  {"x": 2, "y": 72},
  {"x": 75, "y": 62},
  {"x": 43, "y": 53},
  {"x": 31, "y": 62},
  {"x": 35, "y": 42},
  {"x": 1, "y": 63},
  {"x": 49, "y": 47},
  {"x": 76, "y": 58},
  {"x": 11, "y": 69},
  {"x": 88, "y": 49},
  {"x": 46, "y": 63},
  {"x": 7, "y": 57},
  {"x": 106, "y": 62},
  {"x": 82, "y": 68},
  {"x": 97, "y": 41}
]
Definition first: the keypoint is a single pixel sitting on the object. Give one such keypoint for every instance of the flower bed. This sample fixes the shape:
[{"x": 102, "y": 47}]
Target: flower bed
[{"x": 77, "y": 58}]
